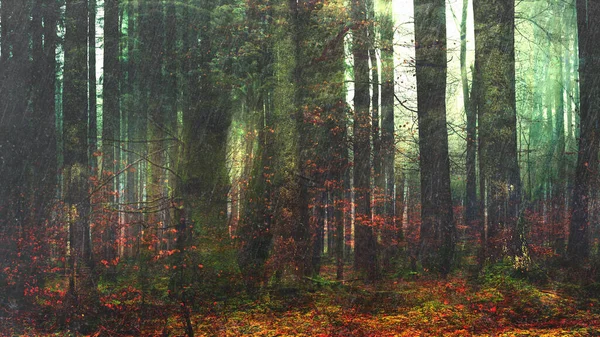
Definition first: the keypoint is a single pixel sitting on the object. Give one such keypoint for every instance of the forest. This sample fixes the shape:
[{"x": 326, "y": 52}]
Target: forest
[{"x": 299, "y": 168}]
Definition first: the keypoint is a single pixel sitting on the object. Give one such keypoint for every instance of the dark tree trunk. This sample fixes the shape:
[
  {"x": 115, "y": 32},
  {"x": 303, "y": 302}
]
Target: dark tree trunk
[
  {"x": 586, "y": 171},
  {"x": 93, "y": 113},
  {"x": 365, "y": 255},
  {"x": 436, "y": 250},
  {"x": 495, "y": 80},
  {"x": 319, "y": 237},
  {"x": 75, "y": 129},
  {"x": 302, "y": 232},
  {"x": 16, "y": 170},
  {"x": 43, "y": 146},
  {"x": 339, "y": 196},
  {"x": 329, "y": 216}
]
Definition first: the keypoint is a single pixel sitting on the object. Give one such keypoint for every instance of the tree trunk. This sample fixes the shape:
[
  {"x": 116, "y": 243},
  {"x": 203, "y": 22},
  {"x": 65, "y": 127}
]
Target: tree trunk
[
  {"x": 75, "y": 129},
  {"x": 436, "y": 246},
  {"x": 16, "y": 169},
  {"x": 495, "y": 78},
  {"x": 304, "y": 232},
  {"x": 378, "y": 174},
  {"x": 365, "y": 255},
  {"x": 151, "y": 45},
  {"x": 130, "y": 91},
  {"x": 111, "y": 127},
  {"x": 471, "y": 186},
  {"x": 588, "y": 13},
  {"x": 171, "y": 51},
  {"x": 559, "y": 186},
  {"x": 388, "y": 145},
  {"x": 93, "y": 113}
]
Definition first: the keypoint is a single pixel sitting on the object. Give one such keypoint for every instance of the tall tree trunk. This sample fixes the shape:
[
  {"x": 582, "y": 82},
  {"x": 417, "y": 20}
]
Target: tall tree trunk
[
  {"x": 151, "y": 45},
  {"x": 559, "y": 185},
  {"x": 365, "y": 254},
  {"x": 93, "y": 113},
  {"x": 33, "y": 196},
  {"x": 495, "y": 78},
  {"x": 388, "y": 145},
  {"x": 171, "y": 51},
  {"x": 111, "y": 120},
  {"x": 130, "y": 91},
  {"x": 75, "y": 129},
  {"x": 471, "y": 186},
  {"x": 15, "y": 126},
  {"x": 570, "y": 144},
  {"x": 341, "y": 159},
  {"x": 436, "y": 250},
  {"x": 47, "y": 159},
  {"x": 43, "y": 145},
  {"x": 302, "y": 231},
  {"x": 378, "y": 174},
  {"x": 588, "y": 13}
]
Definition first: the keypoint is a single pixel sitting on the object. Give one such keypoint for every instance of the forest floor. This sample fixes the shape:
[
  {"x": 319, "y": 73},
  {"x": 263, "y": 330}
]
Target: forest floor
[
  {"x": 493, "y": 305},
  {"x": 412, "y": 308}
]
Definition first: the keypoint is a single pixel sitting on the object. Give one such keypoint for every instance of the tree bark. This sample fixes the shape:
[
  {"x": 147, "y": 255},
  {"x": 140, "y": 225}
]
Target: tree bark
[
  {"x": 111, "y": 114},
  {"x": 92, "y": 102},
  {"x": 495, "y": 78},
  {"x": 365, "y": 254},
  {"x": 75, "y": 129},
  {"x": 392, "y": 228},
  {"x": 588, "y": 13},
  {"x": 471, "y": 186},
  {"x": 436, "y": 245}
]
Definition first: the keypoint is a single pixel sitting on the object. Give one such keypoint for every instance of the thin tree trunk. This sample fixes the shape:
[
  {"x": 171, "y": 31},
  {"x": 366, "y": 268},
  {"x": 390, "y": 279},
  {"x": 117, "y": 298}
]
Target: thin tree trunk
[
  {"x": 378, "y": 174},
  {"x": 111, "y": 126},
  {"x": 471, "y": 186},
  {"x": 559, "y": 186},
  {"x": 93, "y": 113},
  {"x": 388, "y": 147},
  {"x": 130, "y": 99}
]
